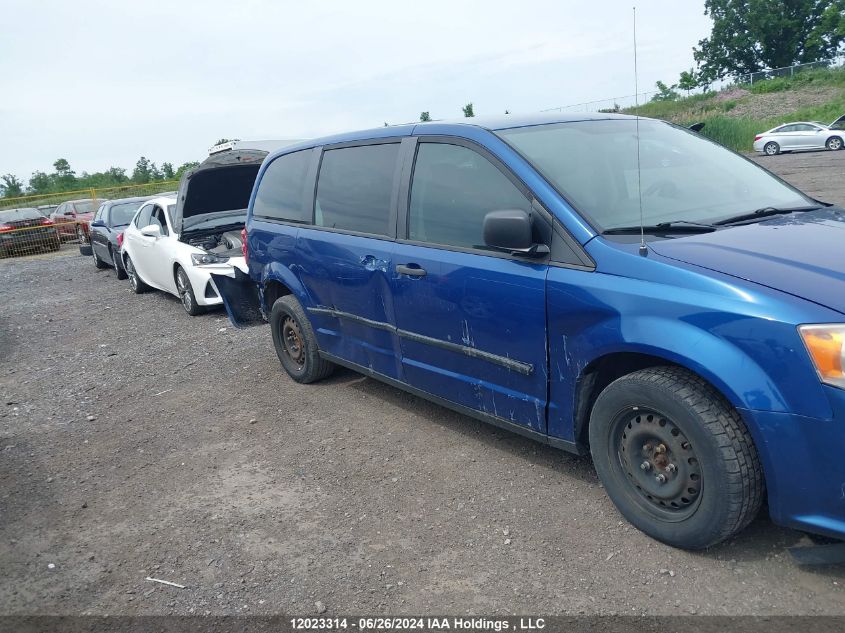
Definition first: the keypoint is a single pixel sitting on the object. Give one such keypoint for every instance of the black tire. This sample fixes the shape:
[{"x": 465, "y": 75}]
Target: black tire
[
  {"x": 138, "y": 286},
  {"x": 186, "y": 293},
  {"x": 834, "y": 143},
  {"x": 99, "y": 263},
  {"x": 771, "y": 148},
  {"x": 118, "y": 264},
  {"x": 667, "y": 422},
  {"x": 295, "y": 342}
]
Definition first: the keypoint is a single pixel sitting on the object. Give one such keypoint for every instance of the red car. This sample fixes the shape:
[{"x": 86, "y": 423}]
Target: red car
[{"x": 72, "y": 218}]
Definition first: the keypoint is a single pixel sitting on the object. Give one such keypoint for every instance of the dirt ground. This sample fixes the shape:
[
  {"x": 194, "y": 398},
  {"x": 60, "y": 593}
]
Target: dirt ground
[{"x": 136, "y": 441}]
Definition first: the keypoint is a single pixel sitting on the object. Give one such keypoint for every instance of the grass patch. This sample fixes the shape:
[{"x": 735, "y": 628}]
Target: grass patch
[{"x": 737, "y": 132}]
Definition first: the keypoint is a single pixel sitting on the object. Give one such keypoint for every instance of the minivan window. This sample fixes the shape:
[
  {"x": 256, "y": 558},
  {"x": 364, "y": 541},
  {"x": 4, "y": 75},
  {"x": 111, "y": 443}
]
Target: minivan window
[
  {"x": 453, "y": 188},
  {"x": 354, "y": 188},
  {"x": 280, "y": 192},
  {"x": 684, "y": 177}
]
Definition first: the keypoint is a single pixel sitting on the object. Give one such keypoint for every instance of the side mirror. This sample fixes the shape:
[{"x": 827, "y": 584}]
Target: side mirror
[
  {"x": 512, "y": 231},
  {"x": 151, "y": 230},
  {"x": 98, "y": 223}
]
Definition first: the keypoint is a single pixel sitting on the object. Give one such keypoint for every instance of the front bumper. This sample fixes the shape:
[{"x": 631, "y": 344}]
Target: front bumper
[
  {"x": 804, "y": 462},
  {"x": 201, "y": 277}
]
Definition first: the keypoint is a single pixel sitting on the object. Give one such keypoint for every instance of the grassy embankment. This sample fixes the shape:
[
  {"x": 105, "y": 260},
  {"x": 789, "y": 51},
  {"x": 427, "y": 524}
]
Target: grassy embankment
[{"x": 735, "y": 114}]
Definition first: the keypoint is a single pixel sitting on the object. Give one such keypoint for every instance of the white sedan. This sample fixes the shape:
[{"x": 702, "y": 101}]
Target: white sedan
[
  {"x": 799, "y": 136},
  {"x": 154, "y": 255}
]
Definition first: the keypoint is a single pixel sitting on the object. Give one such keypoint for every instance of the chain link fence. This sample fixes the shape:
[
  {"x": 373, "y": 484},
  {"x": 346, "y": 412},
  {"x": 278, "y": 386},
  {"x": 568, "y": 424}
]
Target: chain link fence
[
  {"x": 43, "y": 222},
  {"x": 787, "y": 71}
]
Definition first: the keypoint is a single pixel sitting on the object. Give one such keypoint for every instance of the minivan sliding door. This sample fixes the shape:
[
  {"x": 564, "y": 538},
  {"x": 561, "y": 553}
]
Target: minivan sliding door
[{"x": 344, "y": 260}]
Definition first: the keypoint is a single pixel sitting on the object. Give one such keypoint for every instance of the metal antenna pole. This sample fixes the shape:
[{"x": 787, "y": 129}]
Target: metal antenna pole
[{"x": 643, "y": 247}]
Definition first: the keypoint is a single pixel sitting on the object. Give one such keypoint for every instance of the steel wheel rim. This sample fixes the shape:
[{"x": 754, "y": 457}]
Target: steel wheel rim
[
  {"x": 292, "y": 341},
  {"x": 658, "y": 462},
  {"x": 184, "y": 290}
]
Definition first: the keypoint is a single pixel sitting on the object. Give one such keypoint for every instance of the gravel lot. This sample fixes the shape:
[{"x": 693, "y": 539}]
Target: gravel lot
[{"x": 136, "y": 441}]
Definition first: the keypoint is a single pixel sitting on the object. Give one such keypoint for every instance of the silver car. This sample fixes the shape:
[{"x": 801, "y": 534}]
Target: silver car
[{"x": 801, "y": 135}]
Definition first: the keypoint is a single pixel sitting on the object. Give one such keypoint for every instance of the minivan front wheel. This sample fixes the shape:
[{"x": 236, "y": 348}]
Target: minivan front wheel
[
  {"x": 295, "y": 342},
  {"x": 675, "y": 458}
]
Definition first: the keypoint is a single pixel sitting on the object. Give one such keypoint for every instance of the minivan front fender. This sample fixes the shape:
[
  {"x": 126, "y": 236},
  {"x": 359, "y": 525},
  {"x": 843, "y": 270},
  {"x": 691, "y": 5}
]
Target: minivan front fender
[{"x": 617, "y": 346}]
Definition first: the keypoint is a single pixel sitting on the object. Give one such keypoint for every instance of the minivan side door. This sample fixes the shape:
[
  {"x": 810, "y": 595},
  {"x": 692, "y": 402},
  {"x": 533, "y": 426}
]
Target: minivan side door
[
  {"x": 471, "y": 321},
  {"x": 344, "y": 259}
]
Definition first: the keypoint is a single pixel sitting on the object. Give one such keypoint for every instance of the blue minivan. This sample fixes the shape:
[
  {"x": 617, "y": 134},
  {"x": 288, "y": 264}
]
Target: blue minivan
[{"x": 600, "y": 283}]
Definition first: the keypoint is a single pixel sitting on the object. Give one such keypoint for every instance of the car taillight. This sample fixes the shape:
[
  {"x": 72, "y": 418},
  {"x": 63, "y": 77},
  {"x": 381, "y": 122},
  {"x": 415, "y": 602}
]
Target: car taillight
[
  {"x": 244, "y": 249},
  {"x": 758, "y": 137},
  {"x": 120, "y": 240},
  {"x": 5, "y": 228},
  {"x": 46, "y": 221}
]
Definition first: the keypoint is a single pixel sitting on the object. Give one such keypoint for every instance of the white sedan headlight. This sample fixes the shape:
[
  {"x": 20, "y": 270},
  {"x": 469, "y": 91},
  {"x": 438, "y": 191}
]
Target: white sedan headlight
[{"x": 201, "y": 259}]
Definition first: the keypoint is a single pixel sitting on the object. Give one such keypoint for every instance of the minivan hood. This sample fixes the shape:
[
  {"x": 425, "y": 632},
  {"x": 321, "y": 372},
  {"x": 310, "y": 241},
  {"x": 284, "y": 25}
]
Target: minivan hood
[
  {"x": 800, "y": 253},
  {"x": 221, "y": 184}
]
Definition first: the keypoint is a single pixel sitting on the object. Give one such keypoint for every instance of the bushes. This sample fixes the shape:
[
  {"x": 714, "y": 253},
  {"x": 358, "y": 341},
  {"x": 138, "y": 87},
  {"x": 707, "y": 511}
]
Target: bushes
[{"x": 778, "y": 84}]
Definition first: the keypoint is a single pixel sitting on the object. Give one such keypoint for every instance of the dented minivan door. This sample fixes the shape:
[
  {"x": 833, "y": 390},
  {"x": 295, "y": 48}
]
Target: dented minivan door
[{"x": 471, "y": 321}]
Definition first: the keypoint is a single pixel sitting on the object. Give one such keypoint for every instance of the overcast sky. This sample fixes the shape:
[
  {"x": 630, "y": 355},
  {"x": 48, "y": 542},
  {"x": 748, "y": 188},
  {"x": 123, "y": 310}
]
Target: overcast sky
[{"x": 102, "y": 83}]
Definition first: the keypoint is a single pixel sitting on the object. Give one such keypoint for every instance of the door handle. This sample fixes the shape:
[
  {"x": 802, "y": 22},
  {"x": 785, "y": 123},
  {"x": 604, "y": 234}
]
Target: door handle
[{"x": 412, "y": 270}]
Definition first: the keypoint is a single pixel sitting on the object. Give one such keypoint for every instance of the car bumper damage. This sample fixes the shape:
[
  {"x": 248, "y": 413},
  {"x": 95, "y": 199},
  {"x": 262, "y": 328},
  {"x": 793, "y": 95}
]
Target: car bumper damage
[
  {"x": 240, "y": 297},
  {"x": 804, "y": 466}
]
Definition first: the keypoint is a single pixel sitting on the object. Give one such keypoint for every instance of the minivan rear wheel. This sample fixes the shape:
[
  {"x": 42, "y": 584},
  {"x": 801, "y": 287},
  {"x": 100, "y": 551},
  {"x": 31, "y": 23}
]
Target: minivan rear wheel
[
  {"x": 675, "y": 457},
  {"x": 295, "y": 342}
]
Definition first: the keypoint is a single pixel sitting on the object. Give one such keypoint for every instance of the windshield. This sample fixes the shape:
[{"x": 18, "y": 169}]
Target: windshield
[
  {"x": 84, "y": 206},
  {"x": 683, "y": 177},
  {"x": 121, "y": 214}
]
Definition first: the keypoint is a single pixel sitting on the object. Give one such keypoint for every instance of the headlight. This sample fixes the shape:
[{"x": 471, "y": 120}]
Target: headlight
[
  {"x": 826, "y": 344},
  {"x": 201, "y": 259}
]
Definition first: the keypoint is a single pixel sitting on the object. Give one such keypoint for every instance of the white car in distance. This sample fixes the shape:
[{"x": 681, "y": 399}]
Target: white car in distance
[
  {"x": 801, "y": 135},
  {"x": 155, "y": 255}
]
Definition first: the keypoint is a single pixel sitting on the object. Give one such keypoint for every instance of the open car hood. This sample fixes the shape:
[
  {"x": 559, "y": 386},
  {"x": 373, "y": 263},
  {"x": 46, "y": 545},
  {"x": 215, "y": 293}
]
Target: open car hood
[
  {"x": 838, "y": 124},
  {"x": 220, "y": 185},
  {"x": 799, "y": 253}
]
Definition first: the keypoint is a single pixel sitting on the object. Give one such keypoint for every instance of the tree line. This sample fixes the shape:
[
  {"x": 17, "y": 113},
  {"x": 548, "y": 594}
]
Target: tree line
[
  {"x": 64, "y": 178},
  {"x": 749, "y": 36}
]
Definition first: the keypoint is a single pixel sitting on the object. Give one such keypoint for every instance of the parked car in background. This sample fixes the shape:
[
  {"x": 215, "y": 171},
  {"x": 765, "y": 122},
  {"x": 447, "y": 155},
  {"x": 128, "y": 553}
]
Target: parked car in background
[
  {"x": 802, "y": 135},
  {"x": 26, "y": 230},
  {"x": 72, "y": 218},
  {"x": 177, "y": 254},
  {"x": 105, "y": 230},
  {"x": 47, "y": 209},
  {"x": 497, "y": 267}
]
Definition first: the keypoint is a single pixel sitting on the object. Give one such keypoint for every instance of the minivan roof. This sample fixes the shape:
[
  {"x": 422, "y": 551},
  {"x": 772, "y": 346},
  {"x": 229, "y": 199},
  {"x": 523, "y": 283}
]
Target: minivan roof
[{"x": 502, "y": 122}]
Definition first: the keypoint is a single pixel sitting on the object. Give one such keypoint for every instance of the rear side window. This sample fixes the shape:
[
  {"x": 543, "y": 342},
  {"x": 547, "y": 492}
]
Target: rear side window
[
  {"x": 453, "y": 189},
  {"x": 354, "y": 188},
  {"x": 280, "y": 192}
]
